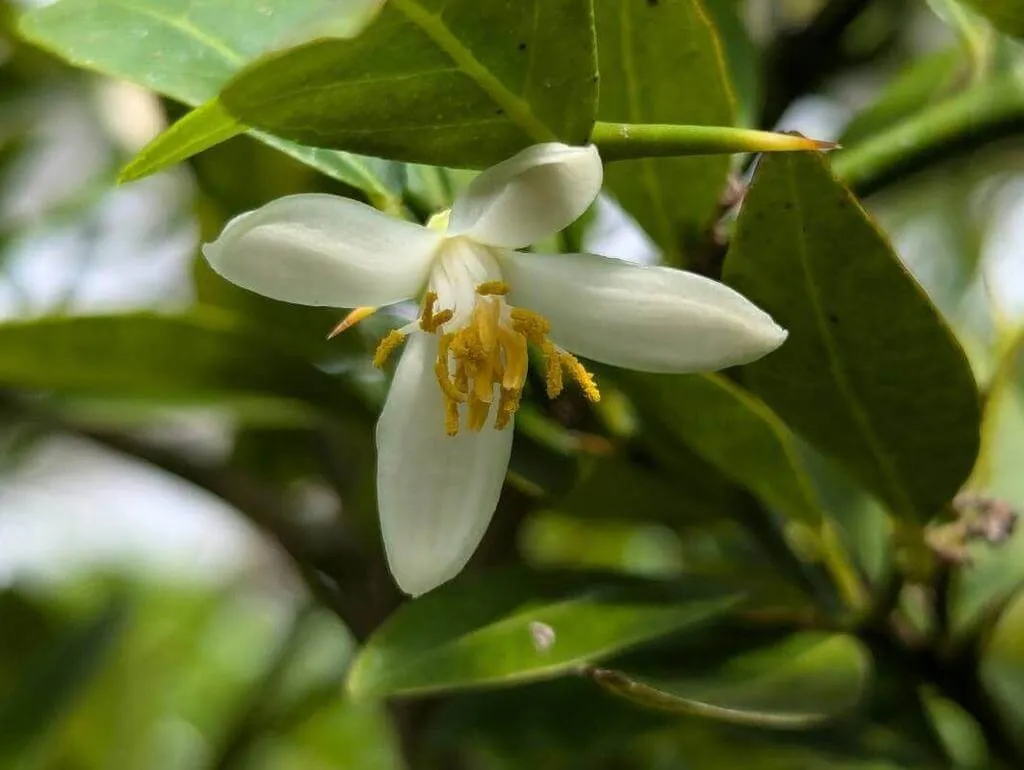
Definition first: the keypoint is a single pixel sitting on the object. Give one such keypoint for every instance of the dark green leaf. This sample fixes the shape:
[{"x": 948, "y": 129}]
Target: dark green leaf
[
  {"x": 54, "y": 676},
  {"x": 202, "y": 356},
  {"x": 805, "y": 680},
  {"x": 1005, "y": 15},
  {"x": 870, "y": 373},
  {"x": 481, "y": 630},
  {"x": 661, "y": 62},
  {"x": 187, "y": 51},
  {"x": 734, "y": 431},
  {"x": 1002, "y": 665},
  {"x": 741, "y": 55},
  {"x": 455, "y": 83}
]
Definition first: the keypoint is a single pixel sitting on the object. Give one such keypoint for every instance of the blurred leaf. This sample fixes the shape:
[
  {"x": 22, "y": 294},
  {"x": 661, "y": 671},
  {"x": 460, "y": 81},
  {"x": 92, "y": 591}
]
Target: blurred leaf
[
  {"x": 480, "y": 630},
  {"x": 455, "y": 83},
  {"x": 801, "y": 682},
  {"x": 870, "y": 373},
  {"x": 925, "y": 80},
  {"x": 1006, "y": 15},
  {"x": 1002, "y": 665},
  {"x": 187, "y": 52},
  {"x": 197, "y": 357},
  {"x": 662, "y": 62},
  {"x": 622, "y": 489},
  {"x": 982, "y": 588},
  {"x": 201, "y": 129},
  {"x": 734, "y": 431},
  {"x": 54, "y": 676}
]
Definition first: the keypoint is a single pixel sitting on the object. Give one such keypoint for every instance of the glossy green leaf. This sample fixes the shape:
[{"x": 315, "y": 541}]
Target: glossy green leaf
[
  {"x": 187, "y": 51},
  {"x": 870, "y": 373},
  {"x": 482, "y": 630},
  {"x": 1005, "y": 15},
  {"x": 662, "y": 62},
  {"x": 456, "y": 83},
  {"x": 734, "y": 431},
  {"x": 202, "y": 356},
  {"x": 805, "y": 680},
  {"x": 53, "y": 677},
  {"x": 926, "y": 80},
  {"x": 201, "y": 129}
]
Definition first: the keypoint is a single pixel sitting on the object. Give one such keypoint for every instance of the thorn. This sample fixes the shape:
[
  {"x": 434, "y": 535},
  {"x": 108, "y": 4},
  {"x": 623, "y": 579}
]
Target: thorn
[{"x": 351, "y": 320}]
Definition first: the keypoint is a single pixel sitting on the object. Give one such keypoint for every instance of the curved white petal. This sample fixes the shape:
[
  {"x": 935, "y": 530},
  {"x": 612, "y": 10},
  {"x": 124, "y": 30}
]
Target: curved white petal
[
  {"x": 324, "y": 250},
  {"x": 653, "y": 319},
  {"x": 436, "y": 493},
  {"x": 532, "y": 195}
]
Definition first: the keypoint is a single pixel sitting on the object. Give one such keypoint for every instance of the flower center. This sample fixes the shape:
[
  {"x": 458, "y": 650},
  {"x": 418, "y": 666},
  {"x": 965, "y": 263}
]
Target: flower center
[{"x": 482, "y": 356}]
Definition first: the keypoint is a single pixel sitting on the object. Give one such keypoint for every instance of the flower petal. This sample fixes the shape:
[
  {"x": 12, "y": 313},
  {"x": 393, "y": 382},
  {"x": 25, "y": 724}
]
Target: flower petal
[
  {"x": 324, "y": 250},
  {"x": 532, "y": 195},
  {"x": 653, "y": 319},
  {"x": 436, "y": 493}
]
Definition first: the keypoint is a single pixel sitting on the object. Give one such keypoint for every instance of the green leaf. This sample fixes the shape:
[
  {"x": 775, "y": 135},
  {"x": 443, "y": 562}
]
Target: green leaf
[
  {"x": 1002, "y": 663},
  {"x": 925, "y": 81},
  {"x": 870, "y": 373},
  {"x": 480, "y": 630},
  {"x": 982, "y": 589},
  {"x": 54, "y": 676},
  {"x": 197, "y": 357},
  {"x": 1006, "y": 15},
  {"x": 201, "y": 129},
  {"x": 805, "y": 680},
  {"x": 661, "y": 62},
  {"x": 445, "y": 82},
  {"x": 742, "y": 56},
  {"x": 187, "y": 51},
  {"x": 734, "y": 431}
]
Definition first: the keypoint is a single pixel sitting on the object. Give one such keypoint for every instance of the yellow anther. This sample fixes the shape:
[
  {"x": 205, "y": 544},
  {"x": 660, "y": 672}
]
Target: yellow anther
[
  {"x": 448, "y": 388},
  {"x": 554, "y": 369},
  {"x": 478, "y": 411},
  {"x": 386, "y": 347},
  {"x": 516, "y": 358},
  {"x": 485, "y": 319},
  {"x": 439, "y": 319},
  {"x": 451, "y": 418},
  {"x": 487, "y": 288},
  {"x": 508, "y": 404},
  {"x": 579, "y": 373},
  {"x": 427, "y": 310},
  {"x": 533, "y": 326}
]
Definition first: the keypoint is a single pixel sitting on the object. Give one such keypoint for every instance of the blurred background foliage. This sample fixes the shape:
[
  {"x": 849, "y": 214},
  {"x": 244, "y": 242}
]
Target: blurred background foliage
[{"x": 189, "y": 559}]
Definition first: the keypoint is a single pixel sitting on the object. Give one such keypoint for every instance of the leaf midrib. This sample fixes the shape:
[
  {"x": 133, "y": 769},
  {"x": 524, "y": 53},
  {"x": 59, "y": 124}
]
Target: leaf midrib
[{"x": 515, "y": 107}]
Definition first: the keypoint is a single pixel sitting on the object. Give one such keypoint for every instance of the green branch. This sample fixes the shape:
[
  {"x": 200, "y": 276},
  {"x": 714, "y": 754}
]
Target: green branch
[
  {"x": 968, "y": 120},
  {"x": 625, "y": 141}
]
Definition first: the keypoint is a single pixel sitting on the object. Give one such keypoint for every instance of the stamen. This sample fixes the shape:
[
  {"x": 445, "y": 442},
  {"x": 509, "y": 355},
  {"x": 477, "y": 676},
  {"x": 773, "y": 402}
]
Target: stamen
[
  {"x": 386, "y": 347},
  {"x": 451, "y": 418},
  {"x": 488, "y": 288},
  {"x": 478, "y": 411},
  {"x": 490, "y": 353},
  {"x": 508, "y": 405},
  {"x": 579, "y": 373},
  {"x": 554, "y": 369}
]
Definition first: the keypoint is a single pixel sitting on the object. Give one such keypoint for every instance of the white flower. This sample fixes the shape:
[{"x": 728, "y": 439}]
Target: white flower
[{"x": 444, "y": 436}]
